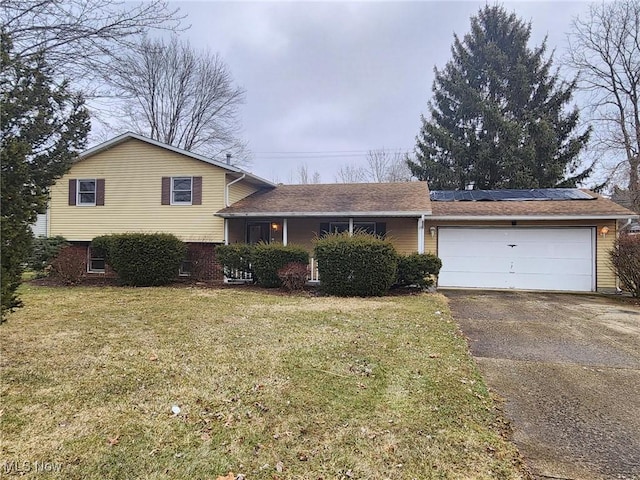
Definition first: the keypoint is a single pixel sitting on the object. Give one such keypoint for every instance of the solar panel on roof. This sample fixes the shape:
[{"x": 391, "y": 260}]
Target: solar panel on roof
[{"x": 509, "y": 195}]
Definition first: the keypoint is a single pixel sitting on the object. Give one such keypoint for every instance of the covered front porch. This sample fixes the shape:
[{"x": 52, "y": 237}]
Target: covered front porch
[{"x": 406, "y": 234}]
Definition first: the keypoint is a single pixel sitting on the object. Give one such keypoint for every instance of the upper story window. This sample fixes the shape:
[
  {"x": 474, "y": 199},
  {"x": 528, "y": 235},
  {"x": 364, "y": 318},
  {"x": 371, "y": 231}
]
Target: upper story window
[
  {"x": 86, "y": 192},
  {"x": 181, "y": 189}
]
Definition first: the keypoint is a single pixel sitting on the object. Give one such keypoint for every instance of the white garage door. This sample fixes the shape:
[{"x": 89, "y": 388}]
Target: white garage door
[{"x": 518, "y": 258}]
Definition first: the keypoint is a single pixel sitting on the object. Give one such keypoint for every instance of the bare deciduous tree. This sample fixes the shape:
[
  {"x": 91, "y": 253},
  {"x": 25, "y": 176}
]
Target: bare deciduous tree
[
  {"x": 78, "y": 35},
  {"x": 179, "y": 96},
  {"x": 303, "y": 176},
  {"x": 385, "y": 166},
  {"x": 351, "y": 174},
  {"x": 382, "y": 166},
  {"x": 605, "y": 49}
]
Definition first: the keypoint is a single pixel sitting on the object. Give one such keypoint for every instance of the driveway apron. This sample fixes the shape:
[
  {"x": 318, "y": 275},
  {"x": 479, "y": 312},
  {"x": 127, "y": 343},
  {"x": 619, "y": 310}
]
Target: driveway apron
[{"x": 568, "y": 369}]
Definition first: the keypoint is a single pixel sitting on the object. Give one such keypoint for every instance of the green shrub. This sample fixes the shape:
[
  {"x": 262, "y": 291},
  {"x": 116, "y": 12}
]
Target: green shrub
[
  {"x": 360, "y": 265},
  {"x": 268, "y": 258},
  {"x": 625, "y": 258},
  {"x": 235, "y": 258},
  {"x": 43, "y": 251},
  {"x": 294, "y": 276},
  {"x": 142, "y": 259},
  {"x": 417, "y": 269}
]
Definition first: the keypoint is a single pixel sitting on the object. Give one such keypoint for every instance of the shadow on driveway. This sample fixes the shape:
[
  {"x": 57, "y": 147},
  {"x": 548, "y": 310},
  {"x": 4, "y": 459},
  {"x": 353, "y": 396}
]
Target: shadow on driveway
[{"x": 568, "y": 368}]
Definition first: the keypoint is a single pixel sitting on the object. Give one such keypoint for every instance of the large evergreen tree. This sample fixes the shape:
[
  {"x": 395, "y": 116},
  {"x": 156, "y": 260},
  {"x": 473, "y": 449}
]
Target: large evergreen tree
[
  {"x": 499, "y": 118},
  {"x": 43, "y": 126}
]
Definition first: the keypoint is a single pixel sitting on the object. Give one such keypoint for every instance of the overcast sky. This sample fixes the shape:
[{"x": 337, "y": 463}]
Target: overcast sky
[{"x": 336, "y": 79}]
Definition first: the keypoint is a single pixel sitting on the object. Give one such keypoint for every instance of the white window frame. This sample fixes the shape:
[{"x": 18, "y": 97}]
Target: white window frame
[
  {"x": 333, "y": 226},
  {"x": 78, "y": 192},
  {"x": 359, "y": 226},
  {"x": 182, "y": 272},
  {"x": 184, "y": 177},
  {"x": 90, "y": 258},
  {"x": 356, "y": 226}
]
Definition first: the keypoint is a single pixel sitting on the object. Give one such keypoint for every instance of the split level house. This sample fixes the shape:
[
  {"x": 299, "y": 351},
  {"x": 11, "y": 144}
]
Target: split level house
[{"x": 548, "y": 239}]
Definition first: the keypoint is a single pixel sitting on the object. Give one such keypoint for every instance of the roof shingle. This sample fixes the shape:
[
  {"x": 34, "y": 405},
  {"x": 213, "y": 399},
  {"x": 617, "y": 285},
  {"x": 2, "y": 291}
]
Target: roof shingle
[{"x": 356, "y": 199}]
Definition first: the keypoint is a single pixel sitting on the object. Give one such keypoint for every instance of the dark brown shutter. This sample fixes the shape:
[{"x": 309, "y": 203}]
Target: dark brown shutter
[
  {"x": 100, "y": 192},
  {"x": 72, "y": 191},
  {"x": 324, "y": 229},
  {"x": 197, "y": 191},
  {"x": 166, "y": 191},
  {"x": 381, "y": 229}
]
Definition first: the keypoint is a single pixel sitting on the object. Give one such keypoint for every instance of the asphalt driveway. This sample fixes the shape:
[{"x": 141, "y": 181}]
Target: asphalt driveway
[{"x": 568, "y": 368}]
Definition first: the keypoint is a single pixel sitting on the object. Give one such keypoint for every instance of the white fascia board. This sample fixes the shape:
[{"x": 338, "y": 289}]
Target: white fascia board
[
  {"x": 130, "y": 135},
  {"x": 324, "y": 214},
  {"x": 493, "y": 218}
]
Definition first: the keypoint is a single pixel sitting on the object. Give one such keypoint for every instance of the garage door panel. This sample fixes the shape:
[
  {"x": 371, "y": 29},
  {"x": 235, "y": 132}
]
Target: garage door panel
[
  {"x": 542, "y": 266},
  {"x": 478, "y": 264},
  {"x": 520, "y": 258},
  {"x": 569, "y": 282}
]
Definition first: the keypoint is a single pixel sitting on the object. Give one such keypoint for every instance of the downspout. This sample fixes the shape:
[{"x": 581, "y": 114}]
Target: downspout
[
  {"x": 421, "y": 245},
  {"x": 226, "y": 190}
]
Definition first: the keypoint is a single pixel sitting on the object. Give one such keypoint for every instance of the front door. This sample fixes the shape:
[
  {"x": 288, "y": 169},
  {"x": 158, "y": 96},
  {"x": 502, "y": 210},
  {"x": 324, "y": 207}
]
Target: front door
[{"x": 258, "y": 232}]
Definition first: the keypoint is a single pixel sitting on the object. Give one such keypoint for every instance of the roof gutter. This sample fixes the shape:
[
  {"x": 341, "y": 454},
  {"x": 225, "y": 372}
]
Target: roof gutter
[
  {"x": 493, "y": 218},
  {"x": 324, "y": 214},
  {"x": 226, "y": 189}
]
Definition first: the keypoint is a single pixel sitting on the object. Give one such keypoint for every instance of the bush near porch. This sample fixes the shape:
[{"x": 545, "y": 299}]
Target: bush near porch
[
  {"x": 358, "y": 264},
  {"x": 268, "y": 258}
]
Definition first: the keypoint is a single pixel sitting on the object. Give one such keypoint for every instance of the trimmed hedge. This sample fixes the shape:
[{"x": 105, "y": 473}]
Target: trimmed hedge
[
  {"x": 234, "y": 258},
  {"x": 361, "y": 265},
  {"x": 142, "y": 259},
  {"x": 268, "y": 258},
  {"x": 417, "y": 269}
]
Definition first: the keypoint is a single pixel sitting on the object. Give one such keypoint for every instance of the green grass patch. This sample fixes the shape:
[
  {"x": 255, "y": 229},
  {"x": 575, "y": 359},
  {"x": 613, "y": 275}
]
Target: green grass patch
[{"x": 269, "y": 386}]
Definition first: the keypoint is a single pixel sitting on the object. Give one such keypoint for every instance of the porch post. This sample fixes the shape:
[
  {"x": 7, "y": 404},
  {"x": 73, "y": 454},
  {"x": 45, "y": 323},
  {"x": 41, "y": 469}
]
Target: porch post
[
  {"x": 421, "y": 234},
  {"x": 285, "y": 231},
  {"x": 351, "y": 226},
  {"x": 226, "y": 231}
]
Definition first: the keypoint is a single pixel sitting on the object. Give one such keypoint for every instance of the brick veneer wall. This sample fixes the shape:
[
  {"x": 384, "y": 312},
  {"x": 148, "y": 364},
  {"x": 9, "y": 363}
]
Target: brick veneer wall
[{"x": 205, "y": 267}]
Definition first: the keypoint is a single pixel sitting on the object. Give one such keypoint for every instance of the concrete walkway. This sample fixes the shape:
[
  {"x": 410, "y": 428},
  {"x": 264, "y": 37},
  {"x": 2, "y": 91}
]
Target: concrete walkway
[{"x": 568, "y": 368}]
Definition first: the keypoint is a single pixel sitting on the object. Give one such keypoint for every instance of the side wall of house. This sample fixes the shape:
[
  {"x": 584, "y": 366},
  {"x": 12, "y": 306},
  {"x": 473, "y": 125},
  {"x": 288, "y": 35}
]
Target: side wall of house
[{"x": 132, "y": 173}]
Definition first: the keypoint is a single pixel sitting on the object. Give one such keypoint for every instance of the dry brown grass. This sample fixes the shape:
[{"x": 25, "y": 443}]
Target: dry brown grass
[{"x": 269, "y": 386}]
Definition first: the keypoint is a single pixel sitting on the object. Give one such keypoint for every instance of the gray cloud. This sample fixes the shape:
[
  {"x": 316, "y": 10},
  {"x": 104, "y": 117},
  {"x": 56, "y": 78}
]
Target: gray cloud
[{"x": 337, "y": 76}]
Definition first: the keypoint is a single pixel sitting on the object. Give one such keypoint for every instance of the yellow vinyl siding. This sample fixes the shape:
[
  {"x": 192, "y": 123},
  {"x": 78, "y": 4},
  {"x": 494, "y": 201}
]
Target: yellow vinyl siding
[
  {"x": 605, "y": 276},
  {"x": 403, "y": 233},
  {"x": 133, "y": 172},
  {"x": 239, "y": 190}
]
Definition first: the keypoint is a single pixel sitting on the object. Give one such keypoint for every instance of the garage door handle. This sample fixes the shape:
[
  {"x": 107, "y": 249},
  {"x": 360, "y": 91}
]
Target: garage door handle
[{"x": 512, "y": 245}]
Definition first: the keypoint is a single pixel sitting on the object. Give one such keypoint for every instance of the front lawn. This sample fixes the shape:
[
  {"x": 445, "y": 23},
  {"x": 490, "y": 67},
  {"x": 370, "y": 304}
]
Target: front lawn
[{"x": 267, "y": 386}]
